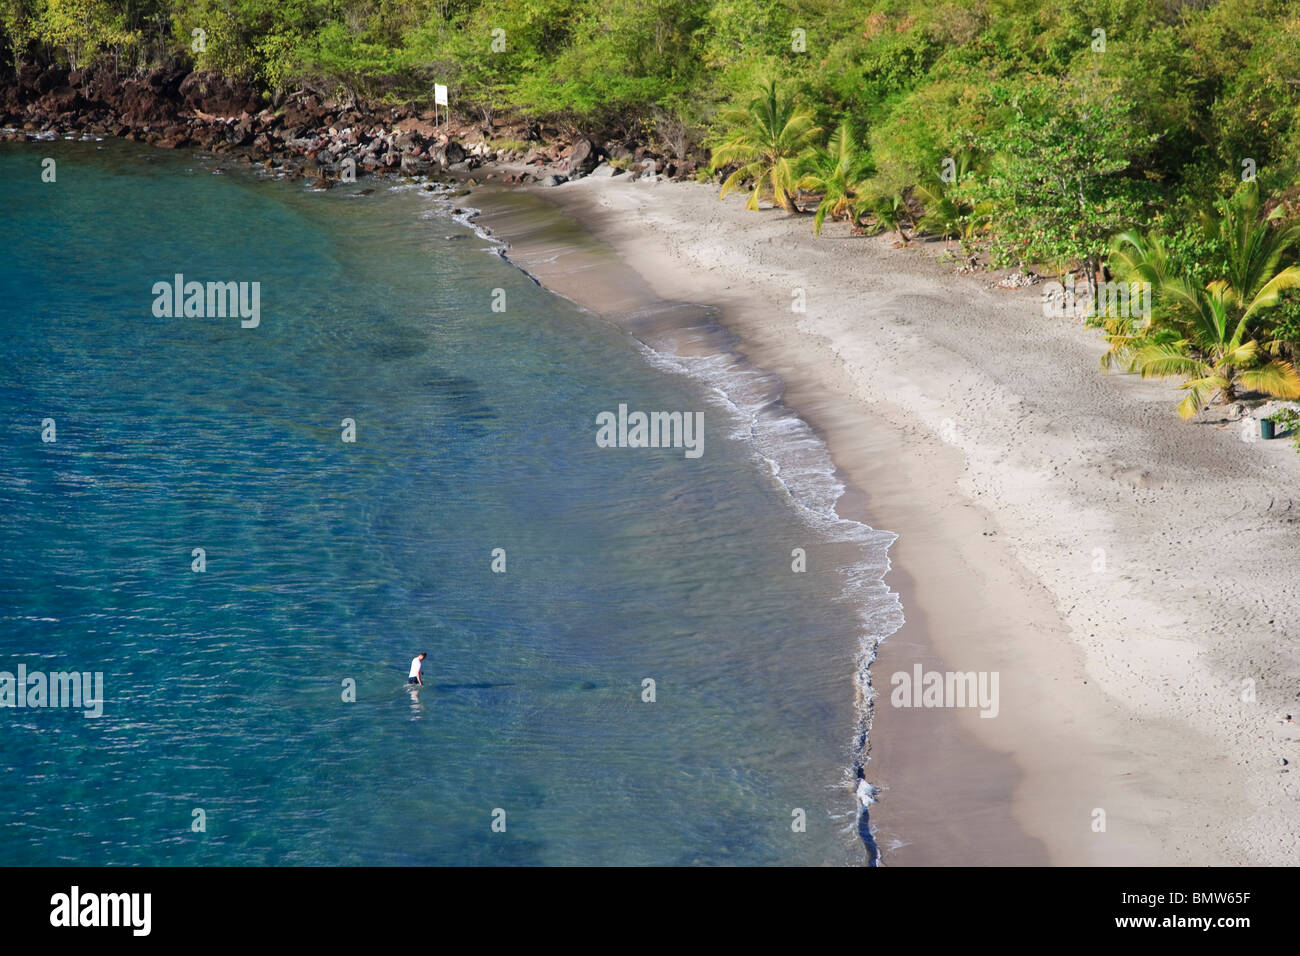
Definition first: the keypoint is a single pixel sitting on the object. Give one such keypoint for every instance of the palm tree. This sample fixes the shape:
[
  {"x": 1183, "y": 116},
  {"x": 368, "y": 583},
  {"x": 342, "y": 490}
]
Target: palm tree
[
  {"x": 1254, "y": 243},
  {"x": 836, "y": 172},
  {"x": 1213, "y": 353},
  {"x": 890, "y": 210},
  {"x": 771, "y": 133},
  {"x": 1136, "y": 257},
  {"x": 1212, "y": 337},
  {"x": 944, "y": 209},
  {"x": 1143, "y": 257}
]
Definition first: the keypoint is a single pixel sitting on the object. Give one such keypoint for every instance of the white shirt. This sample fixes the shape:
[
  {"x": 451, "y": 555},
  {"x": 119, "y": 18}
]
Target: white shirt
[{"x": 415, "y": 666}]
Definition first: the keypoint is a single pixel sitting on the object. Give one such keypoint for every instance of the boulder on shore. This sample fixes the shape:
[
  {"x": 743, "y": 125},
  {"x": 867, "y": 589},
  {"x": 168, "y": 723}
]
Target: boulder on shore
[
  {"x": 583, "y": 158},
  {"x": 453, "y": 153}
]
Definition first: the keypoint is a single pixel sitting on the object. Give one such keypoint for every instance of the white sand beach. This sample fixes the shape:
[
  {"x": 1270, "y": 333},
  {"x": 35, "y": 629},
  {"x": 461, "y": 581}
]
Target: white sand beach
[{"x": 1131, "y": 577}]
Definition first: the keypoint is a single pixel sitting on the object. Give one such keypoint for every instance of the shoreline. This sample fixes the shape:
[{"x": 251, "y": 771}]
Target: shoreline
[
  {"x": 679, "y": 336},
  {"x": 558, "y": 248},
  {"x": 1073, "y": 740},
  {"x": 1144, "y": 719}
]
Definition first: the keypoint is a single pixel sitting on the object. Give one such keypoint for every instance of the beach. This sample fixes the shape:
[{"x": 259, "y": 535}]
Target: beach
[
  {"x": 1127, "y": 576},
  {"x": 844, "y": 435}
]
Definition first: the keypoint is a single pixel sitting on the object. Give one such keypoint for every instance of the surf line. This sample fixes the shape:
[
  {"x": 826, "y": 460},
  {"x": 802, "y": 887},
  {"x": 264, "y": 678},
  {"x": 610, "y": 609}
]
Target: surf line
[{"x": 651, "y": 430}]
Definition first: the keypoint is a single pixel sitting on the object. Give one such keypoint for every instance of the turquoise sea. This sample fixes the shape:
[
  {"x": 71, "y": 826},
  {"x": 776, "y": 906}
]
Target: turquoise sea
[{"x": 329, "y": 564}]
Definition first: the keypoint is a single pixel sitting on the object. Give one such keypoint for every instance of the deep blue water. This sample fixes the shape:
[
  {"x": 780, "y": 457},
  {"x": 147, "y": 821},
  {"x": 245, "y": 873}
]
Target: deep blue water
[{"x": 329, "y": 561}]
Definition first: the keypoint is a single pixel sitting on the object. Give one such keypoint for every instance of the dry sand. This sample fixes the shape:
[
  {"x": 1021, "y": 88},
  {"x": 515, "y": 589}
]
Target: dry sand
[{"x": 1126, "y": 574}]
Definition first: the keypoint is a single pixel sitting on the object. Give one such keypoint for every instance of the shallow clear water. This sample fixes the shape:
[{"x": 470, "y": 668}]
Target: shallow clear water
[{"x": 329, "y": 561}]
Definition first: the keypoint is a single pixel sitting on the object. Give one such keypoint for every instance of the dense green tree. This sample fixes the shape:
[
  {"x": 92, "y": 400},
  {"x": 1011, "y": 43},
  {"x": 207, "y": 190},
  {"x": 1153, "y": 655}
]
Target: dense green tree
[{"x": 1057, "y": 175}]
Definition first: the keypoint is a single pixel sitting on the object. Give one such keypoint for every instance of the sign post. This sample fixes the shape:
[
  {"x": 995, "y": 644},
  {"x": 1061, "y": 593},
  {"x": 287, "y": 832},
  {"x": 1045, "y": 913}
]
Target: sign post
[{"x": 439, "y": 99}]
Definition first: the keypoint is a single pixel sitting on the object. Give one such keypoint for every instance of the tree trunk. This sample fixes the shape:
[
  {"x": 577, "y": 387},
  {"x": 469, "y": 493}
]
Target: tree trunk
[
  {"x": 1090, "y": 266},
  {"x": 1228, "y": 394}
]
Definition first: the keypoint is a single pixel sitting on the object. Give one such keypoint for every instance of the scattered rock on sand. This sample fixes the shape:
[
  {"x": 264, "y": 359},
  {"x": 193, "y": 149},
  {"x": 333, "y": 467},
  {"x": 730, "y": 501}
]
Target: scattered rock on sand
[{"x": 1018, "y": 280}]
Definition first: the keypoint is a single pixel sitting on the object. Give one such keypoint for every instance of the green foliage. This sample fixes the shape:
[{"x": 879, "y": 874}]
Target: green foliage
[
  {"x": 767, "y": 141},
  {"x": 1214, "y": 352},
  {"x": 927, "y": 126},
  {"x": 869, "y": 70},
  {"x": 629, "y": 56},
  {"x": 1059, "y": 175},
  {"x": 1202, "y": 256},
  {"x": 1289, "y": 419},
  {"x": 1214, "y": 81},
  {"x": 264, "y": 40},
  {"x": 836, "y": 173},
  {"x": 18, "y": 29},
  {"x": 739, "y": 29},
  {"x": 81, "y": 29},
  {"x": 1285, "y": 325},
  {"x": 1079, "y": 139},
  {"x": 1247, "y": 58}
]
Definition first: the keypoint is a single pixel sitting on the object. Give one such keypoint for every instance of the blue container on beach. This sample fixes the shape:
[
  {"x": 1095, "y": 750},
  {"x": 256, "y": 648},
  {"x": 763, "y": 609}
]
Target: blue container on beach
[{"x": 1266, "y": 428}]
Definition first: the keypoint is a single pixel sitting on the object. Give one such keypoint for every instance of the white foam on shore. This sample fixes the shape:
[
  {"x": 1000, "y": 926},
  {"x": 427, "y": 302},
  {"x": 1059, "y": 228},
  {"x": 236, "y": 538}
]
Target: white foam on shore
[{"x": 800, "y": 462}]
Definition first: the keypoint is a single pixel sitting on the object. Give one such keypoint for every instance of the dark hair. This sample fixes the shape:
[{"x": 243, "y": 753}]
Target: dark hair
[{"x": 424, "y": 654}]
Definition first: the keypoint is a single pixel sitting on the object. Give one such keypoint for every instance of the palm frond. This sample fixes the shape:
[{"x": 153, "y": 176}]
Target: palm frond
[
  {"x": 1277, "y": 378},
  {"x": 1167, "y": 359}
]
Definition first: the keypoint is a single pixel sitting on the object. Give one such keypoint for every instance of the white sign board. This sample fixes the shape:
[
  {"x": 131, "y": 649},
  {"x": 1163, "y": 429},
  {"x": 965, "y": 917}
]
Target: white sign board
[{"x": 439, "y": 94}]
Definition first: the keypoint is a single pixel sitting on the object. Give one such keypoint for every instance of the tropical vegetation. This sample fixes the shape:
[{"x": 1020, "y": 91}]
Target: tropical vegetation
[{"x": 1154, "y": 142}]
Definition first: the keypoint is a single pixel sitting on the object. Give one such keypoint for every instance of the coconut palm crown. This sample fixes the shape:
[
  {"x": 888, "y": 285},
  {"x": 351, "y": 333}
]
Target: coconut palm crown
[{"x": 768, "y": 136}]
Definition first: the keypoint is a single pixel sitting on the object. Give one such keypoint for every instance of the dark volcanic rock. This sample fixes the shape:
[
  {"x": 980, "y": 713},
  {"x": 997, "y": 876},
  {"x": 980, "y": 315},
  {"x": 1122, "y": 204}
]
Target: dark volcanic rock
[
  {"x": 241, "y": 133},
  {"x": 50, "y": 79},
  {"x": 584, "y": 157},
  {"x": 175, "y": 107},
  {"x": 302, "y": 112},
  {"x": 211, "y": 93},
  {"x": 65, "y": 99},
  {"x": 453, "y": 153}
]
